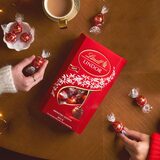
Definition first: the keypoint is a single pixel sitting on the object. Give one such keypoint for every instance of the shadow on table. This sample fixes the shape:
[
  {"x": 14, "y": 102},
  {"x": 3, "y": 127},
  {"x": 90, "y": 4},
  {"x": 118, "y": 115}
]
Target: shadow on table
[
  {"x": 2, "y": 44},
  {"x": 9, "y": 155},
  {"x": 158, "y": 126},
  {"x": 123, "y": 155},
  {"x": 30, "y": 8}
]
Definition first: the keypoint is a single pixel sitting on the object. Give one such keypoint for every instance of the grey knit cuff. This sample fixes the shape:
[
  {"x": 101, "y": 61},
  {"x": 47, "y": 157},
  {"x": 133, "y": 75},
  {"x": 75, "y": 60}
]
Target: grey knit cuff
[{"x": 6, "y": 80}]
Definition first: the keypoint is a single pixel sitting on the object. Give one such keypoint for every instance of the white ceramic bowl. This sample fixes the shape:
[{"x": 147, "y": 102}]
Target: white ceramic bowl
[{"x": 18, "y": 45}]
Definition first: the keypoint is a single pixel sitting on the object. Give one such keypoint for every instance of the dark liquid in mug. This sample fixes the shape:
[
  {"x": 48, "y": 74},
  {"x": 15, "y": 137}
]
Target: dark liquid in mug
[{"x": 59, "y": 8}]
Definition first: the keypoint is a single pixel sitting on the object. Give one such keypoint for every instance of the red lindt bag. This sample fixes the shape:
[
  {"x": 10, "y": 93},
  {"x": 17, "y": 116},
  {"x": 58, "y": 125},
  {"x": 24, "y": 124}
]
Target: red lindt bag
[{"x": 82, "y": 83}]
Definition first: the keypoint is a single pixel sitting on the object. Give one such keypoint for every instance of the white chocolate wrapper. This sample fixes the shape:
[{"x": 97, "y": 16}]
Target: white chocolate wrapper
[
  {"x": 45, "y": 54},
  {"x": 95, "y": 30},
  {"x": 134, "y": 93},
  {"x": 104, "y": 10},
  {"x": 18, "y": 45},
  {"x": 111, "y": 117},
  {"x": 147, "y": 108}
]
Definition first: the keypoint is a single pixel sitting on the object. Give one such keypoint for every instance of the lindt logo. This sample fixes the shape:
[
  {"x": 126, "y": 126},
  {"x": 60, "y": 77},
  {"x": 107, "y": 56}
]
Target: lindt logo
[
  {"x": 94, "y": 63},
  {"x": 93, "y": 57}
]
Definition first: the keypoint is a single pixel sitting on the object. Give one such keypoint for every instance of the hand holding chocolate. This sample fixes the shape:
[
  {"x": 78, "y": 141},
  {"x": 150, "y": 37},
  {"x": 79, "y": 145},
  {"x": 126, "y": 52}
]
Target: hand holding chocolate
[
  {"x": 36, "y": 64},
  {"x": 140, "y": 100},
  {"x": 98, "y": 21},
  {"x": 117, "y": 126}
]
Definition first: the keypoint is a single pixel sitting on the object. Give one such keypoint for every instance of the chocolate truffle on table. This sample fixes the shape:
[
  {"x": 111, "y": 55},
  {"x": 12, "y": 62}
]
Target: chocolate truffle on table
[
  {"x": 140, "y": 100},
  {"x": 98, "y": 21}
]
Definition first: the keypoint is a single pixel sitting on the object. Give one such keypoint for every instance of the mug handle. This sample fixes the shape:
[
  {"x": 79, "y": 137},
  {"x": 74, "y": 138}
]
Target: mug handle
[{"x": 62, "y": 24}]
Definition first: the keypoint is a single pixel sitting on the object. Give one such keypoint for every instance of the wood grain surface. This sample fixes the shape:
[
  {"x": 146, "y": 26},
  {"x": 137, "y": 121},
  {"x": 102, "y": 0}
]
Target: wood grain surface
[{"x": 131, "y": 30}]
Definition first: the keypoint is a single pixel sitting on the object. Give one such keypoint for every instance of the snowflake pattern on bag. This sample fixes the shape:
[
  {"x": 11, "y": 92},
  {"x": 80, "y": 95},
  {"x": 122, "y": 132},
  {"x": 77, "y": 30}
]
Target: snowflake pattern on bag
[{"x": 83, "y": 81}]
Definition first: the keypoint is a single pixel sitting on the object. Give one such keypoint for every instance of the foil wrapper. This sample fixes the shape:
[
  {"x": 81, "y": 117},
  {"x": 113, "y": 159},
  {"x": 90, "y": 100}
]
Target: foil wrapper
[
  {"x": 36, "y": 64},
  {"x": 117, "y": 126},
  {"x": 140, "y": 100},
  {"x": 98, "y": 21}
]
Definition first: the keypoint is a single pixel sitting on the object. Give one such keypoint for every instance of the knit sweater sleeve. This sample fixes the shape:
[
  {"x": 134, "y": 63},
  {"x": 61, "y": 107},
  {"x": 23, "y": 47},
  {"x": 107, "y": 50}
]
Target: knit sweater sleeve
[
  {"x": 6, "y": 80},
  {"x": 154, "y": 152}
]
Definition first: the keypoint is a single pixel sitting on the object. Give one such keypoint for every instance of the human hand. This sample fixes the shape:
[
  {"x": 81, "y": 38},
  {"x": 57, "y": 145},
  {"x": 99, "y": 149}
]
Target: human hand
[
  {"x": 23, "y": 83},
  {"x": 136, "y": 143}
]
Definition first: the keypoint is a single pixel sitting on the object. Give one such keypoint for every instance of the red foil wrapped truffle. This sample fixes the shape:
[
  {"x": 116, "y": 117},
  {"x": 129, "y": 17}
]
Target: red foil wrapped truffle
[
  {"x": 36, "y": 64},
  {"x": 16, "y": 28},
  {"x": 72, "y": 95},
  {"x": 63, "y": 95},
  {"x": 140, "y": 100},
  {"x": 25, "y": 37},
  {"x": 72, "y": 100},
  {"x": 98, "y": 21},
  {"x": 10, "y": 37},
  {"x": 117, "y": 126}
]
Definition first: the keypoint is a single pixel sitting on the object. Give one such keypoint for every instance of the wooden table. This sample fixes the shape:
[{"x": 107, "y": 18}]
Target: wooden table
[{"x": 131, "y": 30}]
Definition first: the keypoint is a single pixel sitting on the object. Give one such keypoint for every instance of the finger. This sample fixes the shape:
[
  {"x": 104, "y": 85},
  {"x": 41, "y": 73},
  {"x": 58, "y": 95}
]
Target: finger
[
  {"x": 134, "y": 134},
  {"x": 26, "y": 61},
  {"x": 40, "y": 73},
  {"x": 126, "y": 140}
]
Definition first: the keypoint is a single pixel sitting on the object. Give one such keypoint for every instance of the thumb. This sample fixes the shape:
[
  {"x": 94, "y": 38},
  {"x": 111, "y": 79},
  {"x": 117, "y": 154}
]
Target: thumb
[
  {"x": 26, "y": 61},
  {"x": 134, "y": 134}
]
